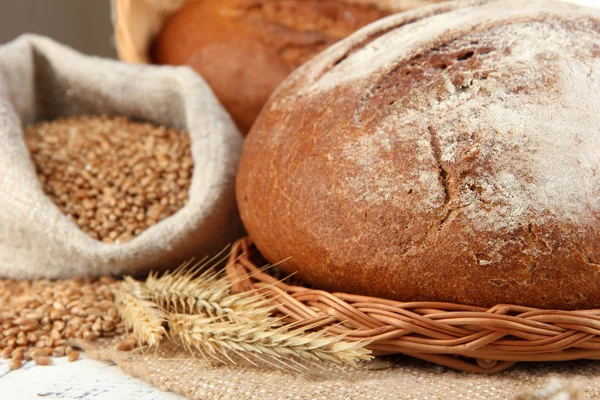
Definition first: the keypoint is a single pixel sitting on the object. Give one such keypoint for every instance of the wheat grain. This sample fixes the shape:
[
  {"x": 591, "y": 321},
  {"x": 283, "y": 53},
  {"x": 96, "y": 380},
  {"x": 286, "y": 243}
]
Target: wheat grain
[
  {"x": 59, "y": 351},
  {"x": 42, "y": 360},
  {"x": 140, "y": 314},
  {"x": 73, "y": 355},
  {"x": 112, "y": 176},
  {"x": 7, "y": 351},
  {"x": 15, "y": 363},
  {"x": 127, "y": 344},
  {"x": 216, "y": 338}
]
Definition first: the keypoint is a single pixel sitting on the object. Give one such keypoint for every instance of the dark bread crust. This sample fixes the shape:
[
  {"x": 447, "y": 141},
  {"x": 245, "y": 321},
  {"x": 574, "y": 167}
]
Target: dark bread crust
[
  {"x": 245, "y": 48},
  {"x": 438, "y": 174}
]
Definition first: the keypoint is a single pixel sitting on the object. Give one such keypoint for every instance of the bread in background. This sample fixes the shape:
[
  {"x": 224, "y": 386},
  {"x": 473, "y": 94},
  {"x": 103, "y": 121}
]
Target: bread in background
[{"x": 245, "y": 48}]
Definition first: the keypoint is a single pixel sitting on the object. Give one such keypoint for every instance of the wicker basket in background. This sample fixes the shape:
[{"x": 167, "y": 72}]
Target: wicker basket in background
[{"x": 136, "y": 24}]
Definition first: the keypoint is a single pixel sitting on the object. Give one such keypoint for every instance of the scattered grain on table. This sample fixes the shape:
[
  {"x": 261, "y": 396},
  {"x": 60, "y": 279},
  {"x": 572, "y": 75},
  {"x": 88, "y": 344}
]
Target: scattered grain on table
[{"x": 41, "y": 318}]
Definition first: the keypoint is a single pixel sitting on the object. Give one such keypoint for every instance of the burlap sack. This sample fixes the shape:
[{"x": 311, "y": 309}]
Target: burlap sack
[
  {"x": 172, "y": 368},
  {"x": 40, "y": 79}
]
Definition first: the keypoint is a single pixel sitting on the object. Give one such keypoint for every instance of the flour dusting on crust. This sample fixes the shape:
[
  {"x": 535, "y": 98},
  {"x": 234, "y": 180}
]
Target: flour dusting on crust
[{"x": 537, "y": 143}]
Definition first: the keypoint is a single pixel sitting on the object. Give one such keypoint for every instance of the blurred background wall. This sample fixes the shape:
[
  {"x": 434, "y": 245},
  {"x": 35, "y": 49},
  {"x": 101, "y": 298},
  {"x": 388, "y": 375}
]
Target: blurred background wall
[{"x": 82, "y": 24}]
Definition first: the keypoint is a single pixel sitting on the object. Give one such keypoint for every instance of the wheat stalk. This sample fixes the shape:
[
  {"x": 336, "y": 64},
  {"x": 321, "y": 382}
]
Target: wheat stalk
[
  {"x": 205, "y": 316},
  {"x": 217, "y": 338},
  {"x": 140, "y": 314}
]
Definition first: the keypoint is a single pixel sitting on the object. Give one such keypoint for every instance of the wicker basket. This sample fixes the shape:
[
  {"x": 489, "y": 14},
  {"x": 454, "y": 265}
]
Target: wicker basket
[
  {"x": 137, "y": 22},
  {"x": 466, "y": 338}
]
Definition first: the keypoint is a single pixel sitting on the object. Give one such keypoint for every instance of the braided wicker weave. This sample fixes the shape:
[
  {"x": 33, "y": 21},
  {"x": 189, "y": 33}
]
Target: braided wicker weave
[{"x": 472, "y": 339}]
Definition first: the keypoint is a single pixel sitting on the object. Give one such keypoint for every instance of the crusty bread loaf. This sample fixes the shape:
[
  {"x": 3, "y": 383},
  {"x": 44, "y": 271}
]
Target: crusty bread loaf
[
  {"x": 245, "y": 48},
  {"x": 449, "y": 158}
]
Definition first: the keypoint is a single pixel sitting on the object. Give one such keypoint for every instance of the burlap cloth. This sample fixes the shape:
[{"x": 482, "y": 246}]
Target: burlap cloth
[{"x": 171, "y": 368}]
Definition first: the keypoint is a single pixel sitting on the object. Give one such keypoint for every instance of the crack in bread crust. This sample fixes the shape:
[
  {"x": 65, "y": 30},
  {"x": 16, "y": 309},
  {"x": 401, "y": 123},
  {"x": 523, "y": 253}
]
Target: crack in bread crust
[{"x": 437, "y": 154}]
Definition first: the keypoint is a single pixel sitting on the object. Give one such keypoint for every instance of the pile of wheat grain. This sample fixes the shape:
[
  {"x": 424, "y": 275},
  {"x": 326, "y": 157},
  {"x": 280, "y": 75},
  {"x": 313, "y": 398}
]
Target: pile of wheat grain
[
  {"x": 113, "y": 177},
  {"x": 40, "y": 319}
]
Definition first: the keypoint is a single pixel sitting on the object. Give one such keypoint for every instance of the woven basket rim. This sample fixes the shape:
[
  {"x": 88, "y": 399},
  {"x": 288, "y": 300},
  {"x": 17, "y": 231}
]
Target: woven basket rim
[
  {"x": 466, "y": 338},
  {"x": 136, "y": 22}
]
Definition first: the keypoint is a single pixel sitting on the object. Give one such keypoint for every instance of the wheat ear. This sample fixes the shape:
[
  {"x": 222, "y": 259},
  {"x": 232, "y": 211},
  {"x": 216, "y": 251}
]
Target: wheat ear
[
  {"x": 139, "y": 314},
  {"x": 214, "y": 338},
  {"x": 208, "y": 294}
]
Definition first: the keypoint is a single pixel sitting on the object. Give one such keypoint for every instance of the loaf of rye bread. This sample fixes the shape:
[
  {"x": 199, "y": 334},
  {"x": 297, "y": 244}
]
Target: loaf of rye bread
[
  {"x": 452, "y": 157},
  {"x": 245, "y": 48}
]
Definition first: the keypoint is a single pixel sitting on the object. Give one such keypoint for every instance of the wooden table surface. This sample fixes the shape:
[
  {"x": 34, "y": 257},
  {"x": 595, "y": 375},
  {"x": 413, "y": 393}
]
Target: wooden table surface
[{"x": 82, "y": 379}]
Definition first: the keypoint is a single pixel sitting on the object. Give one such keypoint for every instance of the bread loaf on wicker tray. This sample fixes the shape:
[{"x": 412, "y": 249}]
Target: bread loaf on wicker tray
[
  {"x": 454, "y": 157},
  {"x": 245, "y": 48}
]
